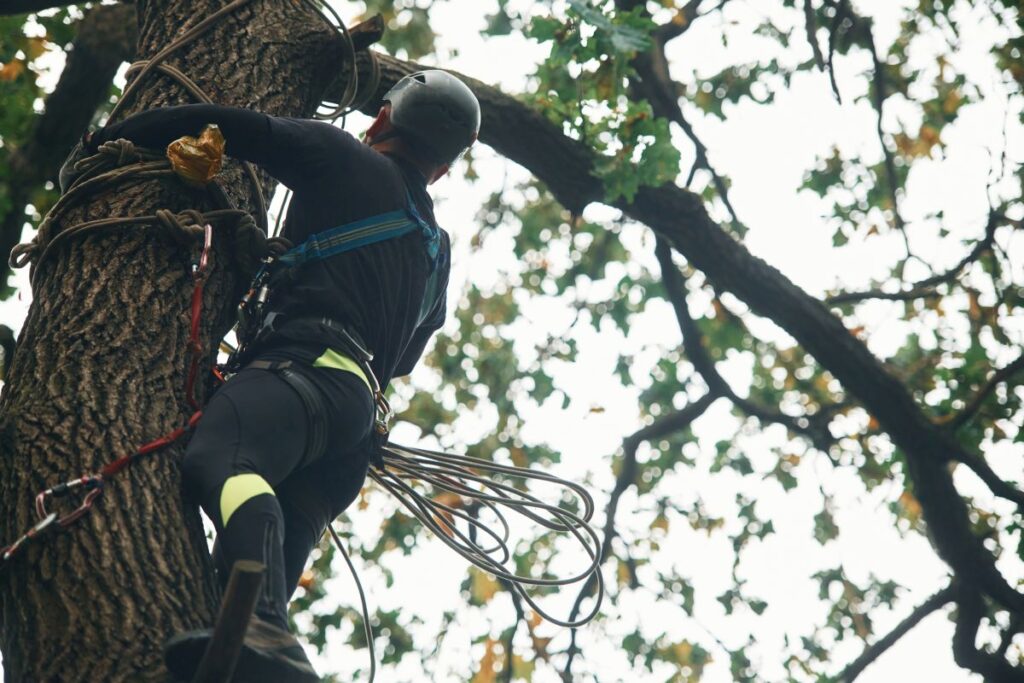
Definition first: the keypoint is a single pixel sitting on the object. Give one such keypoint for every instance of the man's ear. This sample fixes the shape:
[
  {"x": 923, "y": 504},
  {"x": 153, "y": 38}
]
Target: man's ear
[
  {"x": 439, "y": 173},
  {"x": 379, "y": 125}
]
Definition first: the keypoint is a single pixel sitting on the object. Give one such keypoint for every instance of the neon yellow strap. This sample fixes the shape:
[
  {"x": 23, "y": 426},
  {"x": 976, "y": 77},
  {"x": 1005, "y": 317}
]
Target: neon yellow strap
[
  {"x": 237, "y": 490},
  {"x": 339, "y": 361}
]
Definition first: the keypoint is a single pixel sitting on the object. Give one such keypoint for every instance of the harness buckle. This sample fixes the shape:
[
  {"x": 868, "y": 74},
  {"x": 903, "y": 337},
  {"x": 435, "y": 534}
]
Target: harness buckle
[{"x": 383, "y": 413}]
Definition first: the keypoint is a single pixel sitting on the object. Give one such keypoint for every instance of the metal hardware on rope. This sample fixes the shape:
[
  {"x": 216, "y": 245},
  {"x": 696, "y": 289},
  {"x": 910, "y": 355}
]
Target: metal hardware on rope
[
  {"x": 199, "y": 276},
  {"x": 43, "y": 525}
]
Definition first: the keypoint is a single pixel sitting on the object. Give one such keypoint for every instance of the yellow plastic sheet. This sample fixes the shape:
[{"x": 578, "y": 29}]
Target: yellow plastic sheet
[{"x": 197, "y": 160}]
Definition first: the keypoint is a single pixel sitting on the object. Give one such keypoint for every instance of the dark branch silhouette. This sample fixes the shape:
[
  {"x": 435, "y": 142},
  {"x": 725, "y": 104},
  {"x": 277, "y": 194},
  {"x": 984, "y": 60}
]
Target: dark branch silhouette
[{"x": 877, "y": 649}]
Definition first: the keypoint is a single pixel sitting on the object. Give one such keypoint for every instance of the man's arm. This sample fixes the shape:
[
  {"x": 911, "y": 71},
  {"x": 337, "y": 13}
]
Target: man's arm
[{"x": 294, "y": 151}]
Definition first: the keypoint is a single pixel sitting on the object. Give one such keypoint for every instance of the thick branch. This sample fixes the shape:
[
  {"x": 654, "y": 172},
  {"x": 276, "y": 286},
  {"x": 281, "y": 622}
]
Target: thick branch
[
  {"x": 693, "y": 345},
  {"x": 525, "y": 136},
  {"x": 993, "y": 668},
  {"x": 873, "y": 652},
  {"x": 106, "y": 38}
]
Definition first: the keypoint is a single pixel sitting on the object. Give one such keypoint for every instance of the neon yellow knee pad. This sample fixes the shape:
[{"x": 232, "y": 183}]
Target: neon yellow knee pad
[{"x": 237, "y": 490}]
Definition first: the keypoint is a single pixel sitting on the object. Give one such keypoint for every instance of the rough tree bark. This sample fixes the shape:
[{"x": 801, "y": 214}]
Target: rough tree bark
[{"x": 100, "y": 370}]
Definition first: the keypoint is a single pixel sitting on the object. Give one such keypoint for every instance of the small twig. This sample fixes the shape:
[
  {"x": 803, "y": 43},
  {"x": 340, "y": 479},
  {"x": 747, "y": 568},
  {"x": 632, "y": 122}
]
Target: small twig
[
  {"x": 517, "y": 604},
  {"x": 874, "y": 651},
  {"x": 679, "y": 24},
  {"x": 655, "y": 84},
  {"x": 812, "y": 34},
  {"x": 926, "y": 287},
  {"x": 669, "y": 424},
  {"x": 995, "y": 483},
  {"x": 997, "y": 378},
  {"x": 833, "y": 34}
]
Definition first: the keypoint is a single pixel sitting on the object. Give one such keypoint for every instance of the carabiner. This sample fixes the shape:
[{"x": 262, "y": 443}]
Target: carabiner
[{"x": 202, "y": 270}]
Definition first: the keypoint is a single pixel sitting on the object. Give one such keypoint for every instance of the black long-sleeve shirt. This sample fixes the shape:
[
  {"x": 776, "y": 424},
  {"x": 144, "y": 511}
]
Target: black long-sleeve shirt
[{"x": 377, "y": 289}]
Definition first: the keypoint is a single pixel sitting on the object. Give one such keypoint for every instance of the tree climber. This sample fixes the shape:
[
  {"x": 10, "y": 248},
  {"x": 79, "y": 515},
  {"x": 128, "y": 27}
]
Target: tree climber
[{"x": 283, "y": 447}]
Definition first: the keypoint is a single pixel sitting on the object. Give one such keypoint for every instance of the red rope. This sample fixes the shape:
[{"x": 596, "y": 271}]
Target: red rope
[{"x": 93, "y": 483}]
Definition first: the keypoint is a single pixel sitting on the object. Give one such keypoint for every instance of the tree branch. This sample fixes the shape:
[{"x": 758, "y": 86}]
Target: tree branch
[
  {"x": 669, "y": 424},
  {"x": 811, "y": 27},
  {"x": 997, "y": 378},
  {"x": 971, "y": 611},
  {"x": 528, "y": 138},
  {"x": 925, "y": 288},
  {"x": 873, "y": 652},
  {"x": 693, "y": 346},
  {"x": 655, "y": 84},
  {"x": 105, "y": 39},
  {"x": 680, "y": 23}
]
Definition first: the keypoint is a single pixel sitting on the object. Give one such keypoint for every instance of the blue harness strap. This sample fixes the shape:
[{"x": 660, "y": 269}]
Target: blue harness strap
[{"x": 385, "y": 226}]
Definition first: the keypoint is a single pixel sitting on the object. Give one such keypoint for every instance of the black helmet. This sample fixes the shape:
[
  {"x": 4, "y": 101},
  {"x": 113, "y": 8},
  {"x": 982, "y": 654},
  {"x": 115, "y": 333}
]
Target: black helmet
[{"x": 436, "y": 112}]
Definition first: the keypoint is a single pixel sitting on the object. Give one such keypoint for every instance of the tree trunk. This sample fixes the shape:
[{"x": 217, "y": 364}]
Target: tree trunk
[{"x": 100, "y": 370}]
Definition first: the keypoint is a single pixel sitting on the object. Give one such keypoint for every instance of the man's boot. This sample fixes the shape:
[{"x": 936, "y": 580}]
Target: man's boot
[{"x": 269, "y": 655}]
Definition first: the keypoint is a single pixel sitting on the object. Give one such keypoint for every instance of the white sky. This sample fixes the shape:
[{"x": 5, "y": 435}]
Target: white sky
[{"x": 765, "y": 151}]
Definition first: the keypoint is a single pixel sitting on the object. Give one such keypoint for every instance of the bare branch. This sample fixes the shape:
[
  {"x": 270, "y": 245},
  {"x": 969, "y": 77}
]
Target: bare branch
[
  {"x": 873, "y": 652},
  {"x": 669, "y": 424},
  {"x": 925, "y": 288},
  {"x": 680, "y": 23},
  {"x": 517, "y": 604},
  {"x": 995, "y": 483},
  {"x": 997, "y": 378},
  {"x": 811, "y": 26},
  {"x": 693, "y": 346}
]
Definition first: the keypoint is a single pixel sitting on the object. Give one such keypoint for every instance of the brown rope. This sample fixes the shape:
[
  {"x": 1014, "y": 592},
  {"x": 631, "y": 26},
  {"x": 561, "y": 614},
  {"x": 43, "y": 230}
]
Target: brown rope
[{"x": 117, "y": 163}]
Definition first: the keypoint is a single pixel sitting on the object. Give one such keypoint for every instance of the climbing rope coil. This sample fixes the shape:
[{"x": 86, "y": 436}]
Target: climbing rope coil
[{"x": 449, "y": 494}]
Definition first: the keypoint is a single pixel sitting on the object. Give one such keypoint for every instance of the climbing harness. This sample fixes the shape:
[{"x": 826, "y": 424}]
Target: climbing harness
[
  {"x": 255, "y": 320},
  {"x": 449, "y": 494}
]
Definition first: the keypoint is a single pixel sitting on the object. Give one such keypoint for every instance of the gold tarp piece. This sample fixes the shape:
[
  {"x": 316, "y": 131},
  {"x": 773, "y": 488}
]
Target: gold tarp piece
[{"x": 197, "y": 160}]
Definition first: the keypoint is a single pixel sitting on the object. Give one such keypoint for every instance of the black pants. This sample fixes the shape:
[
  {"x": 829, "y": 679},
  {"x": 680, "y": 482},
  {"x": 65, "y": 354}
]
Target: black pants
[{"x": 256, "y": 425}]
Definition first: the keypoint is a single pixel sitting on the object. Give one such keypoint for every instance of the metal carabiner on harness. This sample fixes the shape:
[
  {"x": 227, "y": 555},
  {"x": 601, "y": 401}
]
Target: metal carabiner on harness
[
  {"x": 40, "y": 527},
  {"x": 202, "y": 266},
  {"x": 383, "y": 413},
  {"x": 93, "y": 485}
]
